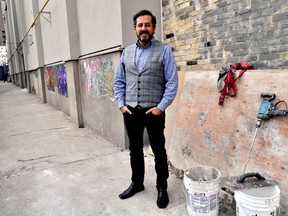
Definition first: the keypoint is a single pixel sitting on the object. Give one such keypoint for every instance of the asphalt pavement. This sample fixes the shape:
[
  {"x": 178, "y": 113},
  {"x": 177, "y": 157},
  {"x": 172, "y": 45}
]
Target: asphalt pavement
[{"x": 50, "y": 167}]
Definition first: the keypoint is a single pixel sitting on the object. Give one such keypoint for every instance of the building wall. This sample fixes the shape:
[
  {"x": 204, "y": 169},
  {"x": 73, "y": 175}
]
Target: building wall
[
  {"x": 56, "y": 84},
  {"x": 205, "y": 36},
  {"x": 14, "y": 58},
  {"x": 200, "y": 132},
  {"x": 208, "y": 34},
  {"x": 73, "y": 33},
  {"x": 100, "y": 112},
  {"x": 100, "y": 25},
  {"x": 32, "y": 44},
  {"x": 2, "y": 29},
  {"x": 55, "y": 34}
]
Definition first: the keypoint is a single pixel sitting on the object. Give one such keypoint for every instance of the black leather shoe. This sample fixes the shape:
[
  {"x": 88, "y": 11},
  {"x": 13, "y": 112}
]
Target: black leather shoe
[
  {"x": 162, "y": 200},
  {"x": 131, "y": 191}
]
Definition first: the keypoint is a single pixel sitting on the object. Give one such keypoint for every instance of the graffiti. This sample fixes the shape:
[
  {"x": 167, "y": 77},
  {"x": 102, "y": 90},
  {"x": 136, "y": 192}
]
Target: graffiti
[
  {"x": 56, "y": 78},
  {"x": 97, "y": 75},
  {"x": 61, "y": 79},
  {"x": 49, "y": 77}
]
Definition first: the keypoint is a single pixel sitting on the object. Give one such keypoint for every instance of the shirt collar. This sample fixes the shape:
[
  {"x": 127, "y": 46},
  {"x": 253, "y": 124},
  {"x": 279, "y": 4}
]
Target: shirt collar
[{"x": 149, "y": 44}]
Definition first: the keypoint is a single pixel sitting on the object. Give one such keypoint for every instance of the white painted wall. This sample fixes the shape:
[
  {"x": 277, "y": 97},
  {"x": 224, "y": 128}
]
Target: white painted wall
[
  {"x": 55, "y": 34},
  {"x": 67, "y": 30},
  {"x": 30, "y": 42},
  {"x": 99, "y": 25}
]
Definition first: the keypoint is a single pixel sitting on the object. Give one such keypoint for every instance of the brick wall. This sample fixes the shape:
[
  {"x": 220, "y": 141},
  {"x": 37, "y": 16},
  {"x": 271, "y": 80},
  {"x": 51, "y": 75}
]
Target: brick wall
[{"x": 207, "y": 34}]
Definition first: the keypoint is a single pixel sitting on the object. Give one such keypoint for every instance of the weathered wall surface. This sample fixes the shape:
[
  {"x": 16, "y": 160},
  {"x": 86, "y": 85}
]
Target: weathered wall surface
[
  {"x": 205, "y": 133},
  {"x": 100, "y": 111},
  {"x": 205, "y": 36},
  {"x": 208, "y": 34},
  {"x": 57, "y": 87}
]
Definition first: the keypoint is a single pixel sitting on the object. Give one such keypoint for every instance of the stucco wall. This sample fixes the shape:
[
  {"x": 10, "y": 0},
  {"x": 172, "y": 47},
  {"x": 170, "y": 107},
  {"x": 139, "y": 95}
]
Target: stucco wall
[
  {"x": 30, "y": 42},
  {"x": 99, "y": 25},
  {"x": 13, "y": 42},
  {"x": 55, "y": 35},
  {"x": 100, "y": 111},
  {"x": 36, "y": 84},
  {"x": 56, "y": 86},
  {"x": 204, "y": 133}
]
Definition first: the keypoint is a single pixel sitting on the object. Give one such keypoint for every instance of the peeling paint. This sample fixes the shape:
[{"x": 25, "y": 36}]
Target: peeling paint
[
  {"x": 186, "y": 150},
  {"x": 202, "y": 118},
  {"x": 208, "y": 140}
]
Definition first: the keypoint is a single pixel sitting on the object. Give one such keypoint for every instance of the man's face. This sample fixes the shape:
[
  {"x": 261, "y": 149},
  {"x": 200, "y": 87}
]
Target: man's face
[{"x": 144, "y": 29}]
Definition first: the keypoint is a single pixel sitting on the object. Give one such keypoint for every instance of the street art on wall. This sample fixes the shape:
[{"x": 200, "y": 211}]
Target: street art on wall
[
  {"x": 61, "y": 79},
  {"x": 97, "y": 75},
  {"x": 49, "y": 78},
  {"x": 56, "y": 79}
]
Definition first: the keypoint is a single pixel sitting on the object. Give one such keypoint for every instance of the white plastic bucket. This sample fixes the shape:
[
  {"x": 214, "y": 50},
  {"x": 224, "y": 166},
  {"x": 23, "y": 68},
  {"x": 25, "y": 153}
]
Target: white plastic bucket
[
  {"x": 201, "y": 187},
  {"x": 263, "y": 201}
]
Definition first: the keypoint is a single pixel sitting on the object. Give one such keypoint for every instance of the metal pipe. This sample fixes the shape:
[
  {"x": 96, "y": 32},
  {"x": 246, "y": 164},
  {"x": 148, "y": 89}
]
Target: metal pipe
[{"x": 33, "y": 23}]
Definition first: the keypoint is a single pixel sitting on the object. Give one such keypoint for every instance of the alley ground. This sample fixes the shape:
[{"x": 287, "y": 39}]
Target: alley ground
[{"x": 50, "y": 167}]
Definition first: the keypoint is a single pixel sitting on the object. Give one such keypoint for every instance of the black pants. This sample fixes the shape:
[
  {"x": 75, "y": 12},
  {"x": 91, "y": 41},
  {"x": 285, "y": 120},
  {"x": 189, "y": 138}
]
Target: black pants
[{"x": 135, "y": 124}]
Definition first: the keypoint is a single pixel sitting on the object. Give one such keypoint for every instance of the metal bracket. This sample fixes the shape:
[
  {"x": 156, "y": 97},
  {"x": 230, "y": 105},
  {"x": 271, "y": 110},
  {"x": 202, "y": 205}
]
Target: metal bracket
[
  {"x": 47, "y": 19},
  {"x": 29, "y": 40}
]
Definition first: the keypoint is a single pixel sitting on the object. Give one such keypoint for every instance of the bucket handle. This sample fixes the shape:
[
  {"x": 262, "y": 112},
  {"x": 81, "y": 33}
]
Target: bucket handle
[{"x": 242, "y": 178}]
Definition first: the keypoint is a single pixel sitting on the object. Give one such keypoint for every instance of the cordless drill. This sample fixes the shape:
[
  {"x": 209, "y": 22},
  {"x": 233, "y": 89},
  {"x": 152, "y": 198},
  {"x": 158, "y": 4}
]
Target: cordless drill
[{"x": 268, "y": 109}]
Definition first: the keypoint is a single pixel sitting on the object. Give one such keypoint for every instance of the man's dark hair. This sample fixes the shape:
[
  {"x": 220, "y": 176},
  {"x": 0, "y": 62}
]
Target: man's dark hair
[{"x": 143, "y": 13}]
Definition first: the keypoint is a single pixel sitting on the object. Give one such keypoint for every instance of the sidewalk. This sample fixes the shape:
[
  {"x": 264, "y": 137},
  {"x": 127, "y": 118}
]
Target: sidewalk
[{"x": 49, "y": 166}]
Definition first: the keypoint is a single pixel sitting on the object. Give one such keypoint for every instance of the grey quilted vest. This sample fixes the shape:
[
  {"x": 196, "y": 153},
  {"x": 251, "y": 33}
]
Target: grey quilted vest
[{"x": 145, "y": 87}]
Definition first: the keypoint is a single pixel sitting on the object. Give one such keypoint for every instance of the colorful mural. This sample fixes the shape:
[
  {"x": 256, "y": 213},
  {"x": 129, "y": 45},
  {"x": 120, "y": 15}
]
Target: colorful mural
[
  {"x": 55, "y": 76},
  {"x": 61, "y": 79},
  {"x": 98, "y": 76},
  {"x": 49, "y": 78}
]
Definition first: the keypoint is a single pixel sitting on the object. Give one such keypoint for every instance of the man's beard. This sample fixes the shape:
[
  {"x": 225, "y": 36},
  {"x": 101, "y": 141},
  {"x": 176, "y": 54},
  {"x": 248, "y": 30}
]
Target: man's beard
[{"x": 145, "y": 40}]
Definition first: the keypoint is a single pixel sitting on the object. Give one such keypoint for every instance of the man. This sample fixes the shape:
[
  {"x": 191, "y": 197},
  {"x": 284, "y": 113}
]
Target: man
[{"x": 145, "y": 85}]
